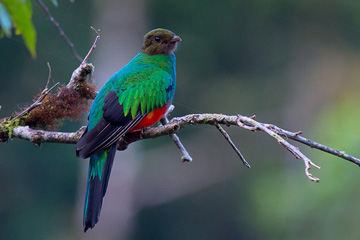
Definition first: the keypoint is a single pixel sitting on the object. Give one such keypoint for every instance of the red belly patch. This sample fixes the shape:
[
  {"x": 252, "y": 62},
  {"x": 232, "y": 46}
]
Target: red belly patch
[{"x": 152, "y": 118}]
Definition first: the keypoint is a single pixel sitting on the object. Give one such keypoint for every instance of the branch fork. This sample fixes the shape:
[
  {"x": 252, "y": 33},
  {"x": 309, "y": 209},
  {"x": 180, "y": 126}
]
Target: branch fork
[{"x": 252, "y": 125}]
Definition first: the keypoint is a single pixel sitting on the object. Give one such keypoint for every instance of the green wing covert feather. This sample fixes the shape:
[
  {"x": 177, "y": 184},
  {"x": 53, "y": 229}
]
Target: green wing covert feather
[{"x": 150, "y": 93}]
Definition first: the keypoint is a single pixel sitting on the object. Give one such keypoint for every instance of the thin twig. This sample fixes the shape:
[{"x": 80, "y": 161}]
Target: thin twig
[
  {"x": 49, "y": 77},
  {"x": 295, "y": 136},
  {"x": 227, "y": 137},
  {"x": 60, "y": 30},
  {"x": 94, "y": 44},
  {"x": 295, "y": 151},
  {"x": 37, "y": 103},
  {"x": 185, "y": 156},
  {"x": 43, "y": 94}
]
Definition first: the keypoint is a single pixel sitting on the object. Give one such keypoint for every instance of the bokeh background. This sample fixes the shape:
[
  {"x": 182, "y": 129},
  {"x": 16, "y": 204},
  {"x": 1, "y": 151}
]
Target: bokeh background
[{"x": 292, "y": 63}]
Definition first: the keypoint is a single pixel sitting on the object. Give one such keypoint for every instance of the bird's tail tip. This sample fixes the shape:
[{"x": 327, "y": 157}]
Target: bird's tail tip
[{"x": 87, "y": 226}]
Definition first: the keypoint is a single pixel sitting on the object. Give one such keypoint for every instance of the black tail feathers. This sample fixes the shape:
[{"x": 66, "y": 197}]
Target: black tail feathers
[{"x": 96, "y": 190}]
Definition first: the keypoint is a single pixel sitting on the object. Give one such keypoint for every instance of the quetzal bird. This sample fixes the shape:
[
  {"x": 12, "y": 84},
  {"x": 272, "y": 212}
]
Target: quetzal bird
[{"x": 137, "y": 96}]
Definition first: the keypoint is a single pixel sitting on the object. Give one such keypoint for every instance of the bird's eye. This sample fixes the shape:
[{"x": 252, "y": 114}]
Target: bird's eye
[{"x": 157, "y": 39}]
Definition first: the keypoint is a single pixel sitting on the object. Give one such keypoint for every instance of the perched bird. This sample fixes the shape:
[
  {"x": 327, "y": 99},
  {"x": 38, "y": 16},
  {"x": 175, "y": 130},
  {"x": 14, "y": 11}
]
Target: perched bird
[{"x": 137, "y": 96}]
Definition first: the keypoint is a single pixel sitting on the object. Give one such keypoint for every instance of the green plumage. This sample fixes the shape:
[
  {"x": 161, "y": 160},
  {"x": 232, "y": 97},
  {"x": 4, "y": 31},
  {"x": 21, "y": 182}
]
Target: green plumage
[{"x": 143, "y": 81}]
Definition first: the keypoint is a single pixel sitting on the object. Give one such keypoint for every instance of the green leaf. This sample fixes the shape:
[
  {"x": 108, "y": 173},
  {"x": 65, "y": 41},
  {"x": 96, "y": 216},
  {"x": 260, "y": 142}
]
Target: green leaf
[
  {"x": 5, "y": 20},
  {"x": 21, "y": 13}
]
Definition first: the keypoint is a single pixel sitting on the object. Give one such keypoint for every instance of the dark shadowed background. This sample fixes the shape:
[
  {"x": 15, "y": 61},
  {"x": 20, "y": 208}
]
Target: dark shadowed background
[{"x": 292, "y": 63}]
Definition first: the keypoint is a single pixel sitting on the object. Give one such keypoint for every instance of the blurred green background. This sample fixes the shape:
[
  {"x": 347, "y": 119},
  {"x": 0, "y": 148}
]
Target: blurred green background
[{"x": 292, "y": 63}]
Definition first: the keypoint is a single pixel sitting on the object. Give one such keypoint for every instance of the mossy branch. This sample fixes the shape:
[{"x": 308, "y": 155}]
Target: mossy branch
[
  {"x": 49, "y": 109},
  {"x": 178, "y": 123}
]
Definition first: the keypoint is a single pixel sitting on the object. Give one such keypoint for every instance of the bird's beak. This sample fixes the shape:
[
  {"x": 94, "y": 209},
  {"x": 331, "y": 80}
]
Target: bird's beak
[{"x": 176, "y": 39}]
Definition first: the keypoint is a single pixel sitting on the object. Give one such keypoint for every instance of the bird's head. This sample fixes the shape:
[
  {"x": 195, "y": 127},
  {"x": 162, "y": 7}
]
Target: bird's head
[{"x": 160, "y": 41}]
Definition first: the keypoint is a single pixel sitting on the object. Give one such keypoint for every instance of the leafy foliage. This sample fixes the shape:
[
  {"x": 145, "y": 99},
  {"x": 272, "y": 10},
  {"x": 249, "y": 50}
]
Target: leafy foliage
[
  {"x": 5, "y": 20},
  {"x": 18, "y": 13}
]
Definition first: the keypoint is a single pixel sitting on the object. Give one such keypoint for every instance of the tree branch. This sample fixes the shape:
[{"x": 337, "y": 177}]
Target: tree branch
[
  {"x": 178, "y": 123},
  {"x": 185, "y": 156},
  {"x": 295, "y": 136},
  {"x": 40, "y": 136},
  {"x": 93, "y": 46},
  {"x": 227, "y": 137},
  {"x": 294, "y": 150}
]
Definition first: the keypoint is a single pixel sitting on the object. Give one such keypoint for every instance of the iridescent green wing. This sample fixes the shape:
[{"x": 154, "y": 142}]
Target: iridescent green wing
[{"x": 153, "y": 92}]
